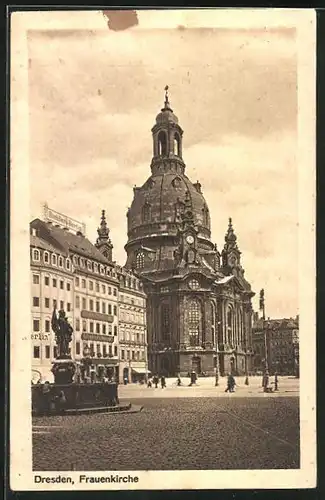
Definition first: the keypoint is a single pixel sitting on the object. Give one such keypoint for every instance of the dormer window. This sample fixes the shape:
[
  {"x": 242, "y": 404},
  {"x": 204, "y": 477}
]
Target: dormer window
[
  {"x": 54, "y": 260},
  {"x": 46, "y": 257},
  {"x": 36, "y": 255},
  {"x": 89, "y": 267},
  {"x": 60, "y": 262},
  {"x": 75, "y": 261},
  {"x": 82, "y": 262},
  {"x": 68, "y": 264},
  {"x": 96, "y": 267},
  {"x": 101, "y": 269}
]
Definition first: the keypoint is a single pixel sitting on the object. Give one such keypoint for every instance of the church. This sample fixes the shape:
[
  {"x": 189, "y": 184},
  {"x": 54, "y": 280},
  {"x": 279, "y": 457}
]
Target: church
[{"x": 199, "y": 311}]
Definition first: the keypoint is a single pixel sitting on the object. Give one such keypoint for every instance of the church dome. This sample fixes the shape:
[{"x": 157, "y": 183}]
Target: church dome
[{"x": 157, "y": 205}]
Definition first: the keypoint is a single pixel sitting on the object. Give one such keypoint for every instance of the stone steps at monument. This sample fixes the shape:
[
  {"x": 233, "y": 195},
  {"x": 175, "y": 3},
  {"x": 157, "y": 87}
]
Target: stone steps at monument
[{"x": 126, "y": 408}]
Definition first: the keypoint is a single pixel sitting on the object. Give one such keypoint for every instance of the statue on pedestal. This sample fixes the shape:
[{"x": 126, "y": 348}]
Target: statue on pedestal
[
  {"x": 63, "y": 367},
  {"x": 63, "y": 333}
]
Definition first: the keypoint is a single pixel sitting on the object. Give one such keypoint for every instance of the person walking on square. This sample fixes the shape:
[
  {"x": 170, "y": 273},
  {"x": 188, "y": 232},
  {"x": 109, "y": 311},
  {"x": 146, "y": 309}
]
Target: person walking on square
[
  {"x": 155, "y": 381},
  {"x": 149, "y": 384},
  {"x": 163, "y": 382},
  {"x": 230, "y": 383}
]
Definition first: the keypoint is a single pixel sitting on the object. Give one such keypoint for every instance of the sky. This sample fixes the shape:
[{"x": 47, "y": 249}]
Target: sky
[{"x": 93, "y": 99}]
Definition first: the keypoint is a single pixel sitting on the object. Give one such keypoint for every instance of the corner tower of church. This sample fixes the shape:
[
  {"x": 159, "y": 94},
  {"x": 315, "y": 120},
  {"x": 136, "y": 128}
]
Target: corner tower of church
[{"x": 189, "y": 290}]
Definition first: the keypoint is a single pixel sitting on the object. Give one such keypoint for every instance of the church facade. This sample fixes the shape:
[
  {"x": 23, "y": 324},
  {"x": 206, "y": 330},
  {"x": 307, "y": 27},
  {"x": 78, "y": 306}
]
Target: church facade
[{"x": 199, "y": 312}]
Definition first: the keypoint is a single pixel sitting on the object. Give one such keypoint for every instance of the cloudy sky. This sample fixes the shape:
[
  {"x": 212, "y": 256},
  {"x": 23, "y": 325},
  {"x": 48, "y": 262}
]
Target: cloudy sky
[{"x": 93, "y": 98}]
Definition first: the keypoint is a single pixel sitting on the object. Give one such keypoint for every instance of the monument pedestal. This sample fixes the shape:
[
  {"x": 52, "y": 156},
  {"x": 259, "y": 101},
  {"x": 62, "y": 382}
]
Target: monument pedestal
[{"x": 63, "y": 371}]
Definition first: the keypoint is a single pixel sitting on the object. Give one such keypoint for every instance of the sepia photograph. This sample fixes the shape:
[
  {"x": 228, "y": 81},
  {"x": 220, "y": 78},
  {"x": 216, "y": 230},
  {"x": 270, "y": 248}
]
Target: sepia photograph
[{"x": 162, "y": 249}]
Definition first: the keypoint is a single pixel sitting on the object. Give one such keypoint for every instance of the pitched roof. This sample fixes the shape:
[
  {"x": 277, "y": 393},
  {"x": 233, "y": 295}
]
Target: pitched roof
[
  {"x": 69, "y": 241},
  {"x": 37, "y": 242}
]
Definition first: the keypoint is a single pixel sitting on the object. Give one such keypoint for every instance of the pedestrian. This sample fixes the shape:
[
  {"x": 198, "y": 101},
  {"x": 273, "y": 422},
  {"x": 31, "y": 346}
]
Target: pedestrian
[
  {"x": 276, "y": 381},
  {"x": 163, "y": 382},
  {"x": 155, "y": 381},
  {"x": 230, "y": 383},
  {"x": 266, "y": 382},
  {"x": 179, "y": 382},
  {"x": 149, "y": 383},
  {"x": 193, "y": 378}
]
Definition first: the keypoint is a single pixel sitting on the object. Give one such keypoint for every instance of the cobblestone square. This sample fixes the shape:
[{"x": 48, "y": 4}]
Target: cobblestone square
[{"x": 174, "y": 433}]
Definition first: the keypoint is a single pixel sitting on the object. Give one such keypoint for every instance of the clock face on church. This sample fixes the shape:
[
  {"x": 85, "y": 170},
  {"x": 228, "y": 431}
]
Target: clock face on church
[{"x": 190, "y": 239}]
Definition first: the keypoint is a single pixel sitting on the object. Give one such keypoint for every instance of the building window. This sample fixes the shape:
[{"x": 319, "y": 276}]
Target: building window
[
  {"x": 84, "y": 325},
  {"x": 115, "y": 330},
  {"x": 91, "y": 305},
  {"x": 46, "y": 257},
  {"x": 36, "y": 279},
  {"x": 47, "y": 325},
  {"x": 103, "y": 308},
  {"x": 91, "y": 285},
  {"x": 114, "y": 292},
  {"x": 115, "y": 310},
  {"x": 97, "y": 306},
  {"x": 36, "y": 301},
  {"x": 61, "y": 304},
  {"x": 82, "y": 263},
  {"x": 77, "y": 302},
  {"x": 60, "y": 262},
  {"x": 96, "y": 267},
  {"x": 97, "y": 328},
  {"x": 109, "y": 329},
  {"x": 89, "y": 266},
  {"x": 77, "y": 347},
  {"x": 68, "y": 287},
  {"x": 77, "y": 324},
  {"x": 127, "y": 354},
  {"x": 109, "y": 309},
  {"x": 54, "y": 282},
  {"x": 103, "y": 289},
  {"x": 61, "y": 284},
  {"x": 54, "y": 303},
  {"x": 122, "y": 354},
  {"x": 75, "y": 260},
  {"x": 55, "y": 351},
  {"x": 36, "y": 351},
  {"x": 91, "y": 327},
  {"x": 165, "y": 322},
  {"x": 115, "y": 350},
  {"x": 110, "y": 350},
  {"x": 53, "y": 260},
  {"x": 36, "y": 255},
  {"x": 194, "y": 322},
  {"x": 84, "y": 304},
  {"x": 139, "y": 262},
  {"x": 104, "y": 350},
  {"x": 97, "y": 287},
  {"x": 68, "y": 264},
  {"x": 47, "y": 351},
  {"x": 104, "y": 329},
  {"x": 83, "y": 283},
  {"x": 133, "y": 355},
  {"x": 68, "y": 306},
  {"x": 109, "y": 290},
  {"x": 47, "y": 302},
  {"x": 77, "y": 282},
  {"x": 46, "y": 281},
  {"x": 194, "y": 284},
  {"x": 102, "y": 270}
]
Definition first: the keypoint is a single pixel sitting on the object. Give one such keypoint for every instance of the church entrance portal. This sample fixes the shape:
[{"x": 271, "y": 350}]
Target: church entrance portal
[{"x": 196, "y": 364}]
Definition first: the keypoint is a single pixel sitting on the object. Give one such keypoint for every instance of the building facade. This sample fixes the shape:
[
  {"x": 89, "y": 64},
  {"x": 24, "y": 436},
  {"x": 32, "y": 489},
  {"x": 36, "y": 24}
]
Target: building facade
[
  {"x": 132, "y": 327},
  {"x": 68, "y": 272},
  {"x": 198, "y": 300},
  {"x": 276, "y": 340}
]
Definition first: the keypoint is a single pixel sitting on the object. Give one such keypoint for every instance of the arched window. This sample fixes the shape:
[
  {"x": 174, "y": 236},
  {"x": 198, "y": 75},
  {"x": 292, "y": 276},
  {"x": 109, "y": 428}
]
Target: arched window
[
  {"x": 194, "y": 322},
  {"x": 36, "y": 255},
  {"x": 54, "y": 261},
  {"x": 162, "y": 144},
  {"x": 60, "y": 262},
  {"x": 146, "y": 212},
  {"x": 68, "y": 264},
  {"x": 46, "y": 257},
  {"x": 165, "y": 323},
  {"x": 177, "y": 145},
  {"x": 140, "y": 260},
  {"x": 230, "y": 325},
  {"x": 213, "y": 322}
]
